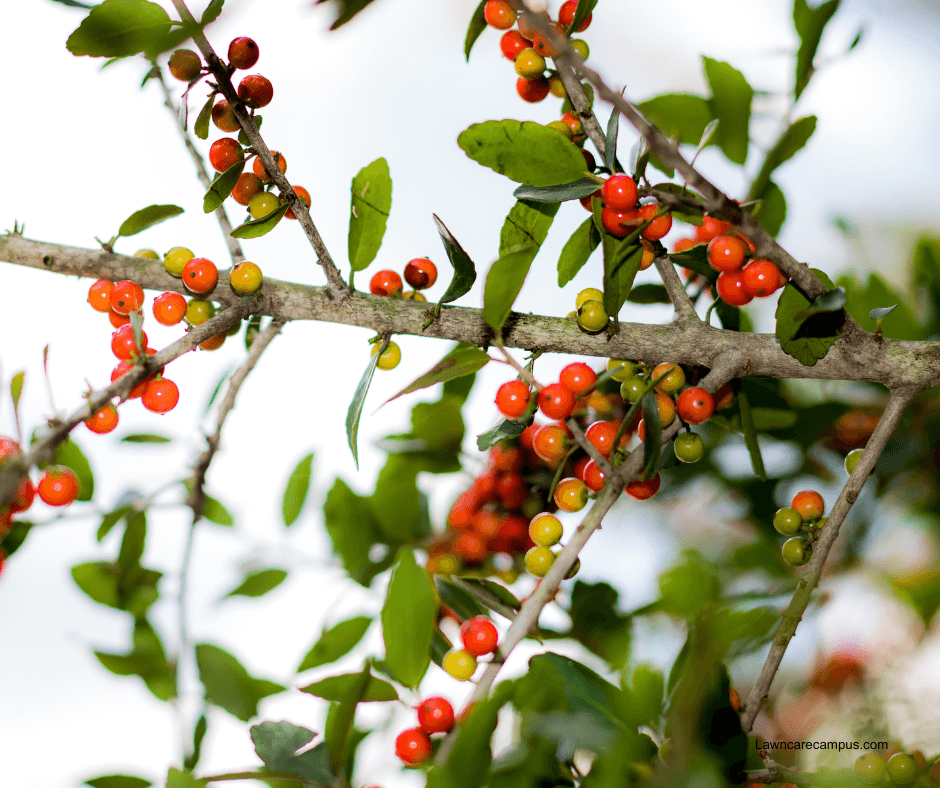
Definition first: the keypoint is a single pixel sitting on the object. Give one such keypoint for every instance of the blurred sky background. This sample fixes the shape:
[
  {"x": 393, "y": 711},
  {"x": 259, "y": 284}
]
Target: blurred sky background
[{"x": 84, "y": 148}]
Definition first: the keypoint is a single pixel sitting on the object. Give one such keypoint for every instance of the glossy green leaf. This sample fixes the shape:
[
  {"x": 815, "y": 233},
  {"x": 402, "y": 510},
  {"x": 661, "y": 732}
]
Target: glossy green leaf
[
  {"x": 750, "y": 437},
  {"x": 610, "y": 140},
  {"x": 830, "y": 301},
  {"x": 653, "y": 439},
  {"x": 462, "y": 360},
  {"x": 648, "y": 294},
  {"x": 221, "y": 187},
  {"x": 258, "y": 583},
  {"x": 560, "y": 193},
  {"x": 806, "y": 341},
  {"x": 489, "y": 593},
  {"x": 298, "y": 486},
  {"x": 408, "y": 620},
  {"x": 731, "y": 105},
  {"x": 118, "y": 781},
  {"x": 503, "y": 283},
  {"x": 145, "y": 437},
  {"x": 147, "y": 217},
  {"x": 581, "y": 11},
  {"x": 70, "y": 455},
  {"x": 216, "y": 513},
  {"x": 456, "y": 598},
  {"x": 354, "y": 413},
  {"x": 696, "y": 260},
  {"x": 335, "y": 642},
  {"x": 809, "y": 23},
  {"x": 277, "y": 744},
  {"x": 772, "y": 212},
  {"x": 201, "y": 126},
  {"x": 465, "y": 272},
  {"x": 370, "y": 205},
  {"x": 338, "y": 687},
  {"x": 523, "y": 151},
  {"x": 347, "y": 10},
  {"x": 622, "y": 260},
  {"x": 352, "y": 529},
  {"x": 258, "y": 227},
  {"x": 13, "y": 539},
  {"x": 679, "y": 115},
  {"x": 228, "y": 685},
  {"x": 475, "y": 28},
  {"x": 505, "y": 429},
  {"x": 576, "y": 251},
  {"x": 116, "y": 28}
]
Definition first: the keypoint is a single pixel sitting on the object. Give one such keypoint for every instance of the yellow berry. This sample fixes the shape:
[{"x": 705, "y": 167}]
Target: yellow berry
[
  {"x": 588, "y": 294},
  {"x": 148, "y": 253},
  {"x": 592, "y": 317},
  {"x": 556, "y": 87},
  {"x": 580, "y": 46},
  {"x": 414, "y": 295},
  {"x": 529, "y": 64},
  {"x": 571, "y": 494},
  {"x": 245, "y": 278},
  {"x": 199, "y": 311},
  {"x": 459, "y": 664},
  {"x": 545, "y": 529},
  {"x": 539, "y": 560},
  {"x": 262, "y": 204},
  {"x": 390, "y": 358},
  {"x": 176, "y": 259},
  {"x": 560, "y": 125}
]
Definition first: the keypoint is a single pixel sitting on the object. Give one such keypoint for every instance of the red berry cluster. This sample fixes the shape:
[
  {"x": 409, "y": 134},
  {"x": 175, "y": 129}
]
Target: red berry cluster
[
  {"x": 420, "y": 274},
  {"x": 435, "y": 715},
  {"x": 622, "y": 214}
]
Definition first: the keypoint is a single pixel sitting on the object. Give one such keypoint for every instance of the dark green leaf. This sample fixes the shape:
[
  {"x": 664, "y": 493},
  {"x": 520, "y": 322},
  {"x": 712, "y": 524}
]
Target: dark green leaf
[
  {"x": 610, "y": 140},
  {"x": 462, "y": 360},
  {"x": 477, "y": 26},
  {"x": 335, "y": 642},
  {"x": 750, "y": 437},
  {"x": 338, "y": 687},
  {"x": 371, "y": 202},
  {"x": 132, "y": 548},
  {"x": 731, "y": 105},
  {"x": 901, "y": 323},
  {"x": 258, "y": 583},
  {"x": 597, "y": 623},
  {"x": 648, "y": 294},
  {"x": 576, "y": 251},
  {"x": 564, "y": 191},
  {"x": 646, "y": 690},
  {"x": 772, "y": 212},
  {"x": 258, "y": 227},
  {"x": 857, "y": 40},
  {"x": 145, "y": 437},
  {"x": 359, "y": 398},
  {"x": 111, "y": 519},
  {"x": 581, "y": 11},
  {"x": 119, "y": 27},
  {"x": 118, "y": 781},
  {"x": 341, "y": 722},
  {"x": 216, "y": 513},
  {"x": 505, "y": 429},
  {"x": 347, "y": 10},
  {"x": 298, "y": 485},
  {"x": 806, "y": 341},
  {"x": 695, "y": 259},
  {"x": 277, "y": 744},
  {"x": 622, "y": 258},
  {"x": 489, "y": 593},
  {"x": 523, "y": 151},
  {"x": 199, "y": 733},
  {"x": 830, "y": 301},
  {"x": 13, "y": 539},
  {"x": 242, "y": 137},
  {"x": 679, "y": 115},
  {"x": 881, "y": 313},
  {"x": 465, "y": 272},
  {"x": 653, "y": 439},
  {"x": 147, "y": 217},
  {"x": 457, "y": 598},
  {"x": 809, "y": 23},
  {"x": 408, "y": 620},
  {"x": 222, "y": 186},
  {"x": 201, "y": 126},
  {"x": 227, "y": 683},
  {"x": 678, "y": 665}
]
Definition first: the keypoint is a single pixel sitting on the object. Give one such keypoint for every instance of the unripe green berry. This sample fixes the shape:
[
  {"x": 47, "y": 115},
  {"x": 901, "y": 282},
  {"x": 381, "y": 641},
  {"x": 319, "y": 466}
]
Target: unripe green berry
[
  {"x": 902, "y": 768},
  {"x": 852, "y": 458},
  {"x": 797, "y": 551},
  {"x": 870, "y": 768},
  {"x": 592, "y": 317},
  {"x": 689, "y": 447},
  {"x": 632, "y": 389},
  {"x": 788, "y": 521},
  {"x": 539, "y": 560},
  {"x": 580, "y": 46}
]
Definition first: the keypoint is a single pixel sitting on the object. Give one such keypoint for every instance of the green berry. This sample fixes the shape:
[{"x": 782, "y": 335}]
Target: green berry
[
  {"x": 869, "y": 768},
  {"x": 262, "y": 204},
  {"x": 574, "y": 569},
  {"x": 852, "y": 458},
  {"x": 788, "y": 521},
  {"x": 797, "y": 551},
  {"x": 580, "y": 46},
  {"x": 632, "y": 389},
  {"x": 620, "y": 370},
  {"x": 902, "y": 768},
  {"x": 592, "y": 317},
  {"x": 560, "y": 125},
  {"x": 689, "y": 447},
  {"x": 539, "y": 560}
]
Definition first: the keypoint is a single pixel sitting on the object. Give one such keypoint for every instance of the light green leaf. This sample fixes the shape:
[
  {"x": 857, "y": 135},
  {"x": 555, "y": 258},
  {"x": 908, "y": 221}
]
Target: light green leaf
[
  {"x": 228, "y": 685},
  {"x": 731, "y": 105},
  {"x": 258, "y": 227},
  {"x": 145, "y": 437},
  {"x": 147, "y": 217},
  {"x": 201, "y": 126},
  {"x": 222, "y": 186},
  {"x": 295, "y": 494},
  {"x": 503, "y": 283},
  {"x": 809, "y": 23},
  {"x": 679, "y": 115},
  {"x": 116, "y": 28},
  {"x": 216, "y": 513},
  {"x": 335, "y": 642},
  {"x": 337, "y": 687},
  {"x": 258, "y": 583},
  {"x": 371, "y": 202},
  {"x": 408, "y": 620},
  {"x": 462, "y": 360}
]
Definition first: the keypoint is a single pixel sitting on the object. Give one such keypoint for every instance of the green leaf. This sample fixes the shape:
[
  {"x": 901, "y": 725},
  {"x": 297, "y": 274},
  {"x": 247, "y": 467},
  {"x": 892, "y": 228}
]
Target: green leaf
[
  {"x": 750, "y": 437},
  {"x": 772, "y": 212},
  {"x": 258, "y": 227},
  {"x": 622, "y": 258},
  {"x": 341, "y": 722},
  {"x": 505, "y": 429},
  {"x": 352, "y": 529},
  {"x": 581, "y": 11},
  {"x": 489, "y": 593},
  {"x": 228, "y": 685},
  {"x": 258, "y": 583},
  {"x": 881, "y": 313},
  {"x": 338, "y": 687},
  {"x": 243, "y": 138},
  {"x": 99, "y": 580},
  {"x": 793, "y": 140},
  {"x": 111, "y": 519},
  {"x": 503, "y": 283},
  {"x": 277, "y": 744},
  {"x": 576, "y": 251},
  {"x": 695, "y": 259},
  {"x": 16, "y": 388},
  {"x": 457, "y": 598},
  {"x": 348, "y": 9},
  {"x": 465, "y": 272},
  {"x": 298, "y": 485},
  {"x": 463, "y": 360},
  {"x": 689, "y": 587},
  {"x": 597, "y": 623},
  {"x": 399, "y": 509},
  {"x": 370, "y": 205},
  {"x": 653, "y": 439},
  {"x": 147, "y": 659},
  {"x": 201, "y": 126},
  {"x": 222, "y": 186},
  {"x": 177, "y": 779},
  {"x": 648, "y": 294},
  {"x": 679, "y": 115},
  {"x": 212, "y": 12},
  {"x": 145, "y": 437},
  {"x": 477, "y": 25},
  {"x": 199, "y": 733},
  {"x": 118, "y": 781},
  {"x": 731, "y": 105},
  {"x": 560, "y": 193},
  {"x": 147, "y": 217},
  {"x": 806, "y": 341},
  {"x": 70, "y": 455},
  {"x": 216, "y": 513},
  {"x": 408, "y": 620},
  {"x": 116, "y": 28},
  {"x": 355, "y": 406},
  {"x": 335, "y": 642},
  {"x": 809, "y": 23},
  {"x": 523, "y": 151},
  {"x": 526, "y": 223},
  {"x": 830, "y": 301},
  {"x": 610, "y": 140}
]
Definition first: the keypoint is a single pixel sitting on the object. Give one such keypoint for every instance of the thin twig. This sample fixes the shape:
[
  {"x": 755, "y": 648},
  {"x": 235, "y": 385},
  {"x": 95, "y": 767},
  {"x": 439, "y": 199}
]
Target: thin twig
[{"x": 685, "y": 309}]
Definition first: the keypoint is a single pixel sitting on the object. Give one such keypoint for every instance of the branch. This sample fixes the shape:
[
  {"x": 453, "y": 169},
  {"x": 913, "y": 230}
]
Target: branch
[
  {"x": 337, "y": 287},
  {"x": 828, "y": 535},
  {"x": 685, "y": 309}
]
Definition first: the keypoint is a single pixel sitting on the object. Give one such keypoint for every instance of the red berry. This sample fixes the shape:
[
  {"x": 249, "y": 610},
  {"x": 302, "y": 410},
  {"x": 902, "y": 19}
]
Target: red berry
[
  {"x": 224, "y": 153},
  {"x": 223, "y": 116},
  {"x": 657, "y": 228},
  {"x": 512, "y": 43},
  {"x": 641, "y": 489},
  {"x": 532, "y": 90},
  {"x": 711, "y": 228},
  {"x": 25, "y": 494},
  {"x": 58, "y": 486},
  {"x": 695, "y": 405},
  {"x": 620, "y": 192},
  {"x": 242, "y": 52},
  {"x": 122, "y": 369},
  {"x": 99, "y": 295},
  {"x": 511, "y": 490},
  {"x": 548, "y": 45},
  {"x": 169, "y": 308},
  {"x": 601, "y": 434},
  {"x": 420, "y": 273},
  {"x": 118, "y": 320},
  {"x": 486, "y": 523},
  {"x": 259, "y": 169},
  {"x": 255, "y": 90},
  {"x": 126, "y": 297},
  {"x": 550, "y": 443},
  {"x": 731, "y": 290},
  {"x": 413, "y": 746},
  {"x": 726, "y": 253},
  {"x": 160, "y": 396},
  {"x": 435, "y": 715},
  {"x": 185, "y": 65},
  {"x": 620, "y": 222},
  {"x": 588, "y": 160},
  {"x": 512, "y": 399},
  {"x": 566, "y": 15},
  {"x": 103, "y": 420},
  {"x": 761, "y": 278},
  {"x": 578, "y": 377},
  {"x": 123, "y": 345},
  {"x": 200, "y": 275},
  {"x": 471, "y": 547},
  {"x": 302, "y": 194},
  {"x": 556, "y": 401},
  {"x": 506, "y": 458},
  {"x": 247, "y": 186},
  {"x": 8, "y": 448},
  {"x": 385, "y": 283},
  {"x": 809, "y": 504},
  {"x": 593, "y": 476},
  {"x": 499, "y": 14},
  {"x": 479, "y": 636}
]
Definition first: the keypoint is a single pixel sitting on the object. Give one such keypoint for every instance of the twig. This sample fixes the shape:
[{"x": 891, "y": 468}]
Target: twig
[
  {"x": 524, "y": 373},
  {"x": 897, "y": 404},
  {"x": 589, "y": 447},
  {"x": 685, "y": 309}
]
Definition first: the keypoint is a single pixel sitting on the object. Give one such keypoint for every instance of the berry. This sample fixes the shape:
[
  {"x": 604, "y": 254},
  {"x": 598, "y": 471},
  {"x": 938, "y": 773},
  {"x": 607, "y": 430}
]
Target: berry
[
  {"x": 550, "y": 443},
  {"x": 809, "y": 504},
  {"x": 532, "y": 90},
  {"x": 512, "y": 399},
  {"x": 123, "y": 344},
  {"x": 259, "y": 169},
  {"x": 185, "y": 65},
  {"x": 390, "y": 356},
  {"x": 695, "y": 405},
  {"x": 580, "y": 47},
  {"x": 674, "y": 380},
  {"x": 147, "y": 254},
  {"x": 175, "y": 259},
  {"x": 247, "y": 186},
  {"x": 460, "y": 664},
  {"x": 255, "y": 90},
  {"x": 556, "y": 401},
  {"x": 619, "y": 192},
  {"x": 731, "y": 290},
  {"x": 511, "y": 490},
  {"x": 126, "y": 297},
  {"x": 529, "y": 64},
  {"x": 479, "y": 636},
  {"x": 545, "y": 529},
  {"x": 797, "y": 551},
  {"x": 499, "y": 14},
  {"x": 724, "y": 397},
  {"x": 566, "y": 15},
  {"x": 601, "y": 434},
  {"x": 659, "y": 226},
  {"x": 245, "y": 278},
  {"x": 588, "y": 294},
  {"x": 689, "y": 447},
  {"x": 58, "y": 486},
  {"x": 160, "y": 396},
  {"x": 902, "y": 768},
  {"x": 851, "y": 460},
  {"x": 539, "y": 560},
  {"x": 199, "y": 311},
  {"x": 223, "y": 116},
  {"x": 710, "y": 228},
  {"x": 512, "y": 43},
  {"x": 620, "y": 222},
  {"x": 413, "y": 746},
  {"x": 641, "y": 489},
  {"x": 667, "y": 409},
  {"x": 169, "y": 308},
  {"x": 761, "y": 278},
  {"x": 870, "y": 768},
  {"x": 420, "y": 273},
  {"x": 556, "y": 87},
  {"x": 649, "y": 254},
  {"x": 577, "y": 377},
  {"x": 99, "y": 295},
  {"x": 435, "y": 715},
  {"x": 788, "y": 521},
  {"x": 549, "y": 44},
  {"x": 122, "y": 369},
  {"x": 385, "y": 283},
  {"x": 571, "y": 495},
  {"x": 620, "y": 370},
  {"x": 25, "y": 494},
  {"x": 200, "y": 275},
  {"x": 242, "y": 52},
  {"x": 302, "y": 194},
  {"x": 262, "y": 204},
  {"x": 505, "y": 458},
  {"x": 413, "y": 295},
  {"x": 118, "y": 320},
  {"x": 632, "y": 389},
  {"x": 726, "y": 253},
  {"x": 592, "y": 317},
  {"x": 593, "y": 476},
  {"x": 103, "y": 420},
  {"x": 224, "y": 153}
]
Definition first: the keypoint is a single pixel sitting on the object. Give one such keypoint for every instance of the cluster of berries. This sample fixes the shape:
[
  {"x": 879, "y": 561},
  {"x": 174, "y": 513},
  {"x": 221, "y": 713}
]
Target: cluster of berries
[
  {"x": 420, "y": 274},
  {"x": 622, "y": 214},
  {"x": 435, "y": 715},
  {"x": 900, "y": 769},
  {"x": 479, "y": 637},
  {"x": 805, "y": 513},
  {"x": 528, "y": 46}
]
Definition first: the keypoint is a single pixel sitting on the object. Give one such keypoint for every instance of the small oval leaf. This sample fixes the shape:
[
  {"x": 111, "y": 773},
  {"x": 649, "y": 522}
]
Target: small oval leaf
[
  {"x": 465, "y": 272},
  {"x": 295, "y": 493},
  {"x": 147, "y": 217},
  {"x": 369, "y": 208},
  {"x": 881, "y": 313},
  {"x": 201, "y": 126},
  {"x": 561, "y": 193},
  {"x": 408, "y": 620},
  {"x": 222, "y": 187},
  {"x": 145, "y": 437},
  {"x": 258, "y": 583},
  {"x": 476, "y": 27},
  {"x": 258, "y": 227},
  {"x": 335, "y": 642}
]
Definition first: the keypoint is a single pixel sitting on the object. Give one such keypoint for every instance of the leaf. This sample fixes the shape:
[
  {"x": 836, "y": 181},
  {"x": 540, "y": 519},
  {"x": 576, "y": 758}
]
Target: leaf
[
  {"x": 809, "y": 23},
  {"x": 258, "y": 227},
  {"x": 830, "y": 301},
  {"x": 505, "y": 429},
  {"x": 523, "y": 151},
  {"x": 731, "y": 105},
  {"x": 116, "y": 28},
  {"x": 679, "y": 115},
  {"x": 489, "y": 593},
  {"x": 463, "y": 360},
  {"x": 216, "y": 513},
  {"x": 342, "y": 721},
  {"x": 622, "y": 258},
  {"x": 177, "y": 779},
  {"x": 118, "y": 781},
  {"x": 16, "y": 389},
  {"x": 806, "y": 341},
  {"x": 212, "y": 12},
  {"x": 13, "y": 539},
  {"x": 352, "y": 529},
  {"x": 147, "y": 217},
  {"x": 707, "y": 135},
  {"x": 359, "y": 398},
  {"x": 477, "y": 25},
  {"x": 221, "y": 187},
  {"x": 295, "y": 493},
  {"x": 881, "y": 313},
  {"x": 465, "y": 272},
  {"x": 646, "y": 689},
  {"x": 408, "y": 620},
  {"x": 649, "y": 294},
  {"x": 610, "y": 140},
  {"x": 337, "y": 687},
  {"x": 111, "y": 519},
  {"x": 258, "y": 583},
  {"x": 792, "y": 140},
  {"x": 750, "y": 437},
  {"x": 456, "y": 598},
  {"x": 576, "y": 251},
  {"x": 69, "y": 454},
  {"x": 335, "y": 642},
  {"x": 145, "y": 437},
  {"x": 597, "y": 623},
  {"x": 560, "y": 193},
  {"x": 348, "y": 9},
  {"x": 695, "y": 259},
  {"x": 228, "y": 685},
  {"x": 199, "y": 733},
  {"x": 201, "y": 126},
  {"x": 503, "y": 283},
  {"x": 371, "y": 202},
  {"x": 773, "y": 209},
  {"x": 277, "y": 744},
  {"x": 653, "y": 439}
]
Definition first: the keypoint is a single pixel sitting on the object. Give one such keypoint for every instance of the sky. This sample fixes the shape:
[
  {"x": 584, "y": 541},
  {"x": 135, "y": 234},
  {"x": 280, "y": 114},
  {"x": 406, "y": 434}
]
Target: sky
[{"x": 86, "y": 147}]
